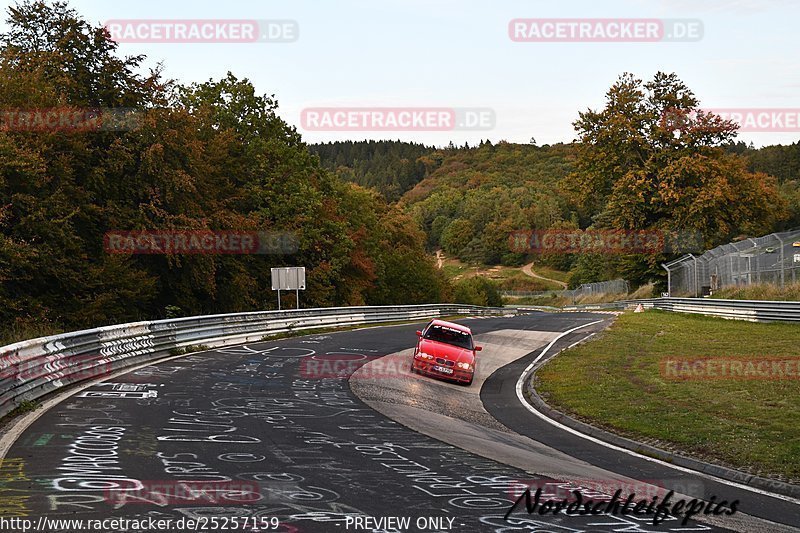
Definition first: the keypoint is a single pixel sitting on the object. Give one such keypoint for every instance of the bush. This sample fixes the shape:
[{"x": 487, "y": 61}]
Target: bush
[{"x": 477, "y": 291}]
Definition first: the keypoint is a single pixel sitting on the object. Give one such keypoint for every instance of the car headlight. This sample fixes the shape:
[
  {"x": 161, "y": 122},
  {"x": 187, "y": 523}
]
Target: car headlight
[
  {"x": 423, "y": 355},
  {"x": 465, "y": 366}
]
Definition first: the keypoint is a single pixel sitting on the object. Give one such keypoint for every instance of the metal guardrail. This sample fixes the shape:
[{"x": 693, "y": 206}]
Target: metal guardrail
[
  {"x": 33, "y": 368},
  {"x": 752, "y": 310},
  {"x": 529, "y": 294}
]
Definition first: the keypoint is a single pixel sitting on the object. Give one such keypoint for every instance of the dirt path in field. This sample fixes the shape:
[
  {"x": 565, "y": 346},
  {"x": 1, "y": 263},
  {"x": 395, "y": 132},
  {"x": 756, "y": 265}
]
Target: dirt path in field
[{"x": 527, "y": 269}]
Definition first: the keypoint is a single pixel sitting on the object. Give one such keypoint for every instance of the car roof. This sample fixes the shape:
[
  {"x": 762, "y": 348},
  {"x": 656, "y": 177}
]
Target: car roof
[{"x": 453, "y": 325}]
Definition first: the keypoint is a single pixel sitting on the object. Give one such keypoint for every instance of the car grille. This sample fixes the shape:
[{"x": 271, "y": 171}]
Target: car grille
[{"x": 441, "y": 361}]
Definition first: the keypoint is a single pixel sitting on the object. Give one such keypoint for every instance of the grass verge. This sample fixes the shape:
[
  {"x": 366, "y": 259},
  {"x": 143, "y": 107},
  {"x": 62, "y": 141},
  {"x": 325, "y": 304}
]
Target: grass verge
[
  {"x": 616, "y": 382},
  {"x": 760, "y": 291},
  {"x": 23, "y": 407},
  {"x": 551, "y": 273},
  {"x": 188, "y": 349}
]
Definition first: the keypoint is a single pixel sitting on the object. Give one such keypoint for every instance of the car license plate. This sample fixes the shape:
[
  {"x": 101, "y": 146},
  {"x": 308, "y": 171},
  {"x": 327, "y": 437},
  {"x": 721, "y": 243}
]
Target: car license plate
[{"x": 443, "y": 369}]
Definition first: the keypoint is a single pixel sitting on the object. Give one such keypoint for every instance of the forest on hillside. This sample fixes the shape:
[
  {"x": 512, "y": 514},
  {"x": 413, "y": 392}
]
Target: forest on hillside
[
  {"x": 206, "y": 156},
  {"x": 390, "y": 167},
  {"x": 468, "y": 200}
]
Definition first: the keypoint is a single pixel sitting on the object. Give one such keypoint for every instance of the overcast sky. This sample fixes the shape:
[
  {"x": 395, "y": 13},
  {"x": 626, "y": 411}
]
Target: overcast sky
[{"x": 458, "y": 53}]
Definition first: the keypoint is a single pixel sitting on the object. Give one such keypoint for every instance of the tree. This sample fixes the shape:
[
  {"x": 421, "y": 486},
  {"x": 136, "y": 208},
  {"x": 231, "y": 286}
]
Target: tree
[
  {"x": 209, "y": 156},
  {"x": 477, "y": 290},
  {"x": 457, "y": 235},
  {"x": 652, "y": 159}
]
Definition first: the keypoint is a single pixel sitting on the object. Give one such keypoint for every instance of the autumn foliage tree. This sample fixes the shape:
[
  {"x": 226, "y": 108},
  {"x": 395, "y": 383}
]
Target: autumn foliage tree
[{"x": 653, "y": 159}]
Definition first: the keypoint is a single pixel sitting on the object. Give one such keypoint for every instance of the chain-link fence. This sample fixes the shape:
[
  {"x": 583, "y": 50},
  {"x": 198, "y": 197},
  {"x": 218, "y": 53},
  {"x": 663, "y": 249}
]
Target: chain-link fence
[
  {"x": 773, "y": 258},
  {"x": 616, "y": 286}
]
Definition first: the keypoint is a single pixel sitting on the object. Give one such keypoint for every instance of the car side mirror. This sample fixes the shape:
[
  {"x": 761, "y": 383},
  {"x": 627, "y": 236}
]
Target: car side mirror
[
  {"x": 478, "y": 348},
  {"x": 419, "y": 333}
]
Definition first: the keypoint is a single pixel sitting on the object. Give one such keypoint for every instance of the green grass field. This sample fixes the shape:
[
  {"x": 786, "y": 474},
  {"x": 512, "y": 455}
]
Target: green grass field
[
  {"x": 551, "y": 273},
  {"x": 615, "y": 381}
]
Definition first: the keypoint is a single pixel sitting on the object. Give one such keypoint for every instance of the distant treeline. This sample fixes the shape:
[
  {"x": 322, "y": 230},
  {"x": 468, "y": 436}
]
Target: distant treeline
[
  {"x": 390, "y": 167},
  {"x": 780, "y": 161}
]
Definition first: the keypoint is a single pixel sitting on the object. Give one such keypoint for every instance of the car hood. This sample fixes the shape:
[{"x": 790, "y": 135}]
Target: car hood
[{"x": 447, "y": 351}]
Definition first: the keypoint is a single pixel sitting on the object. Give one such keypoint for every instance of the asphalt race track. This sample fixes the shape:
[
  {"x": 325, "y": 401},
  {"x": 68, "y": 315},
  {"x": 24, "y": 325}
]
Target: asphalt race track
[{"x": 276, "y": 435}]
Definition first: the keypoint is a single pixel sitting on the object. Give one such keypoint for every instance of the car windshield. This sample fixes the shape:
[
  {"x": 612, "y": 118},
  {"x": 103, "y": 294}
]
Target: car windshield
[{"x": 449, "y": 336}]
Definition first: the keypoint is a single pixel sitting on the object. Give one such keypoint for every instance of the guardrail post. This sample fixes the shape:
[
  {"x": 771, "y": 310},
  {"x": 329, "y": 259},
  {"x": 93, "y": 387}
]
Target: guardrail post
[{"x": 696, "y": 288}]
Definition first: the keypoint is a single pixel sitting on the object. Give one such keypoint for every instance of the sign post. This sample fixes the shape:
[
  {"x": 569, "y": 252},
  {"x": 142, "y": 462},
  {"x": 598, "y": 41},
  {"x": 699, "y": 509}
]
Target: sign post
[{"x": 287, "y": 279}]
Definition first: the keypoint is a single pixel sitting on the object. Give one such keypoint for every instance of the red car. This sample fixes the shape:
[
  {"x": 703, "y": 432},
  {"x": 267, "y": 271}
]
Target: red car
[{"x": 446, "y": 350}]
